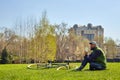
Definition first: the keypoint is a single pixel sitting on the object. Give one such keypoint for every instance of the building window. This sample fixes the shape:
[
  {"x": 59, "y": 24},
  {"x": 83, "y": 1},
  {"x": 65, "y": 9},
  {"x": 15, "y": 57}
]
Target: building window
[{"x": 89, "y": 36}]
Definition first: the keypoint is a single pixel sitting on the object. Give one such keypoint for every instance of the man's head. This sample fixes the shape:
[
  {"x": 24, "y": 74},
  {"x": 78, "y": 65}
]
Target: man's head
[{"x": 93, "y": 44}]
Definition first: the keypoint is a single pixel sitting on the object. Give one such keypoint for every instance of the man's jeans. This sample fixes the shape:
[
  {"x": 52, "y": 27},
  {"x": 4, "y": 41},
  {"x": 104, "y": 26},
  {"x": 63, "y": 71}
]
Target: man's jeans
[{"x": 93, "y": 65}]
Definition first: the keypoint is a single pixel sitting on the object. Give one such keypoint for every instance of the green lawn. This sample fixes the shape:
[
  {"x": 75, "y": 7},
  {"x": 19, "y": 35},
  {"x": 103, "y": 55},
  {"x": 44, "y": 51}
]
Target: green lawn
[{"x": 20, "y": 72}]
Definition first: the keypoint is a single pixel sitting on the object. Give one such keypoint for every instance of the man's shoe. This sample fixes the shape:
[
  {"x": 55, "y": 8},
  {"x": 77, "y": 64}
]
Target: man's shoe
[{"x": 80, "y": 68}]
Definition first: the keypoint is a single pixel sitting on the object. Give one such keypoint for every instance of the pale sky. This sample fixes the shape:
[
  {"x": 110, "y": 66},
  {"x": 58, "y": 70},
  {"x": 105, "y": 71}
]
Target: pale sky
[{"x": 97, "y": 12}]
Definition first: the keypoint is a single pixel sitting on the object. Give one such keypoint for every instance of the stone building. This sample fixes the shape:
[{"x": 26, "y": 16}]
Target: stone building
[{"x": 90, "y": 32}]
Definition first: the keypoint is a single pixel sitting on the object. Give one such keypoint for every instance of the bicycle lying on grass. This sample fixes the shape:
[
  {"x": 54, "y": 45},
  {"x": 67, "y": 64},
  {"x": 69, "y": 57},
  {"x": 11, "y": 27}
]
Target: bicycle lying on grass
[{"x": 49, "y": 65}]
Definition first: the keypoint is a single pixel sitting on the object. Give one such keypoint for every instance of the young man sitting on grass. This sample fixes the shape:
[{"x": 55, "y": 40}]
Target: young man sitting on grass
[{"x": 96, "y": 59}]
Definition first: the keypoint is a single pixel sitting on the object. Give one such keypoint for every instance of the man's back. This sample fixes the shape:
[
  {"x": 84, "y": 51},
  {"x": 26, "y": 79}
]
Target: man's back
[{"x": 98, "y": 56}]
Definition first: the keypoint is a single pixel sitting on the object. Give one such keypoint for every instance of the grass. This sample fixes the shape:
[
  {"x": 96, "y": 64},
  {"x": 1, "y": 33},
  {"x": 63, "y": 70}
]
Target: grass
[{"x": 20, "y": 72}]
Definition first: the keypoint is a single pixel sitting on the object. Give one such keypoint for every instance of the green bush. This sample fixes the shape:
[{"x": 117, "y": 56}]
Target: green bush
[{"x": 4, "y": 56}]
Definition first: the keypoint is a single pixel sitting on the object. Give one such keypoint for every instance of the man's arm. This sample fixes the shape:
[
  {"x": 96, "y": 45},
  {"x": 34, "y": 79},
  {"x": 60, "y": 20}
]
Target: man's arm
[{"x": 95, "y": 55}]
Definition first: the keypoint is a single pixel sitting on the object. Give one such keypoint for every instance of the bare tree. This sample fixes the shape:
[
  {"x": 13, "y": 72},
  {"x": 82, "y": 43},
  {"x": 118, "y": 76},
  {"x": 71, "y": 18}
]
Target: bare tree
[
  {"x": 110, "y": 47},
  {"x": 61, "y": 40}
]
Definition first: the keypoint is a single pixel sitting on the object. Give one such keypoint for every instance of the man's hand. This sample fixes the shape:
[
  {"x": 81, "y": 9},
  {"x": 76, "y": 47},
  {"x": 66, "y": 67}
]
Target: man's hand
[{"x": 86, "y": 53}]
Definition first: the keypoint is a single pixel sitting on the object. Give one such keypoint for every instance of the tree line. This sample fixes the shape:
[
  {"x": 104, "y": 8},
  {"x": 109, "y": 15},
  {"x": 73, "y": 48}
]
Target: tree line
[{"x": 33, "y": 42}]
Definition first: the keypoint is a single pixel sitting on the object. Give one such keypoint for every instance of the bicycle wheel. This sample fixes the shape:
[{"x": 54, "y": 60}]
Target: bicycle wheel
[
  {"x": 63, "y": 67},
  {"x": 38, "y": 66}
]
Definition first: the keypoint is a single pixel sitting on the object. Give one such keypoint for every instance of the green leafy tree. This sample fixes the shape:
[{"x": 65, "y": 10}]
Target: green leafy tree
[
  {"x": 4, "y": 56},
  {"x": 43, "y": 43}
]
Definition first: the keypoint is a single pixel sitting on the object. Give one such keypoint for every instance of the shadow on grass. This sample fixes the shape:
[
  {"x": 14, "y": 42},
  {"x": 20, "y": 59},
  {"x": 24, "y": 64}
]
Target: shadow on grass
[
  {"x": 95, "y": 70},
  {"x": 88, "y": 70},
  {"x": 37, "y": 68}
]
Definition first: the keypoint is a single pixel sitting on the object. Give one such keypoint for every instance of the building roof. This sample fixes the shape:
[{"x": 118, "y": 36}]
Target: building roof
[{"x": 89, "y": 26}]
